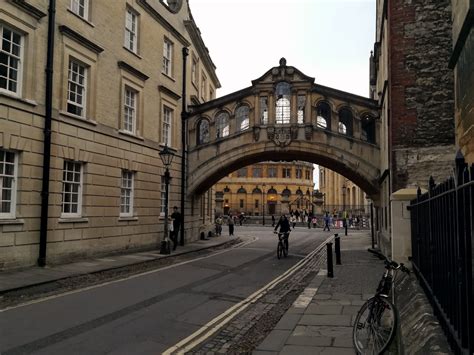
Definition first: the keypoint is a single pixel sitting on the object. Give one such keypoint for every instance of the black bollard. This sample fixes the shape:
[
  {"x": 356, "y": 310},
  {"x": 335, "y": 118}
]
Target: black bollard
[
  {"x": 345, "y": 226},
  {"x": 329, "y": 258},
  {"x": 337, "y": 248}
]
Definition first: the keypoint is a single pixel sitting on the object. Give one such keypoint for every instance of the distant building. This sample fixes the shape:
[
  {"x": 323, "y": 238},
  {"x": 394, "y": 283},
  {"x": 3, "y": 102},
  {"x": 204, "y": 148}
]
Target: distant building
[
  {"x": 340, "y": 194},
  {"x": 268, "y": 188}
]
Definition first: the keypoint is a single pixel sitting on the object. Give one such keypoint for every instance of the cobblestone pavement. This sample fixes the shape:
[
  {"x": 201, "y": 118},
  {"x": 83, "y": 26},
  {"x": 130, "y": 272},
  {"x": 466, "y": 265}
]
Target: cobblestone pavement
[{"x": 244, "y": 332}]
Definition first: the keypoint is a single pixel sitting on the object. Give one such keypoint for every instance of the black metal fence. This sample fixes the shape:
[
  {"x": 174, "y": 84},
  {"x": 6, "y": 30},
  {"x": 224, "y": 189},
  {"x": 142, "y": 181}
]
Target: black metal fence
[{"x": 442, "y": 255}]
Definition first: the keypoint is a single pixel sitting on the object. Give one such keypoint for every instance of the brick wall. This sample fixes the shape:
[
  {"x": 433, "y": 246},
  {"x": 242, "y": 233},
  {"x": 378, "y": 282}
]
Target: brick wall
[{"x": 421, "y": 85}]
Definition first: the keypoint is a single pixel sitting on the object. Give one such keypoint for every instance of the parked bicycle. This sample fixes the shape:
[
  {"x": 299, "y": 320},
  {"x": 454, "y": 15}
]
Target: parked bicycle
[
  {"x": 282, "y": 247},
  {"x": 376, "y": 321}
]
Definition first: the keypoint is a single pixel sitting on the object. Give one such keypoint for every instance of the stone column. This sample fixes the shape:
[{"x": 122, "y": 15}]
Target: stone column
[
  {"x": 294, "y": 107},
  {"x": 271, "y": 108}
]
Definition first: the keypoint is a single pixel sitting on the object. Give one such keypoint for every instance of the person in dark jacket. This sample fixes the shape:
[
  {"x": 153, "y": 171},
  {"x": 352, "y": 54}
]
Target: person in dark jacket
[{"x": 285, "y": 227}]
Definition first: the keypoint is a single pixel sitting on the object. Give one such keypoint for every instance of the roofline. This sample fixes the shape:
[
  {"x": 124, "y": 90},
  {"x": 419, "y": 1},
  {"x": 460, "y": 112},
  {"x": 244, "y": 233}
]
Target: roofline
[
  {"x": 321, "y": 89},
  {"x": 221, "y": 101}
]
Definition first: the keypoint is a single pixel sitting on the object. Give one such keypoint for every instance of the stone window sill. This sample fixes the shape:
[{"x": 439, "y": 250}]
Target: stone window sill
[
  {"x": 73, "y": 220},
  {"x": 12, "y": 221},
  {"x": 127, "y": 219}
]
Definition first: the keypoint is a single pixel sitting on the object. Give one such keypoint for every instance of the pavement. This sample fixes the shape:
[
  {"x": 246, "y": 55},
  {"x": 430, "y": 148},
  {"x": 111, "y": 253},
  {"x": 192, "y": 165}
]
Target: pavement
[
  {"x": 11, "y": 280},
  {"x": 320, "y": 320}
]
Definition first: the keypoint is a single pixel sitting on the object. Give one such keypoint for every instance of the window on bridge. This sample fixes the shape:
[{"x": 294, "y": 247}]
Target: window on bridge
[
  {"x": 222, "y": 125},
  {"x": 283, "y": 105},
  {"x": 323, "y": 115},
  {"x": 203, "y": 132},
  {"x": 263, "y": 110},
  {"x": 242, "y": 118},
  {"x": 301, "y": 104},
  {"x": 368, "y": 129},
  {"x": 242, "y": 172},
  {"x": 345, "y": 122}
]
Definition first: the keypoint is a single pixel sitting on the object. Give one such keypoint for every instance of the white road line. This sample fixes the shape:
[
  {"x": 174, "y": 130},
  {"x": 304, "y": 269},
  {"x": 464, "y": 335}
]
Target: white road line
[
  {"x": 127, "y": 278},
  {"x": 218, "y": 323}
]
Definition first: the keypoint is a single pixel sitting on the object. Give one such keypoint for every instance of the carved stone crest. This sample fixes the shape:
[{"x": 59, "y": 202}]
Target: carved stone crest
[{"x": 281, "y": 136}]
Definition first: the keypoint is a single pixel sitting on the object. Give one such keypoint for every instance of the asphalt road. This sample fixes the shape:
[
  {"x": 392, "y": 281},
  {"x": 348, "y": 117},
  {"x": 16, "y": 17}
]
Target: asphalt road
[{"x": 149, "y": 313}]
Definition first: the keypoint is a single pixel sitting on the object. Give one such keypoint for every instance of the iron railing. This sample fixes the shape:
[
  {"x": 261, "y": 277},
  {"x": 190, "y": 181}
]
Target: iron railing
[{"x": 441, "y": 234}]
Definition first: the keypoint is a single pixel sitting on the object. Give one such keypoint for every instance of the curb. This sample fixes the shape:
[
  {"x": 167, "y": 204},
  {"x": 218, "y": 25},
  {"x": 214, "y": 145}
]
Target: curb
[{"x": 237, "y": 241}]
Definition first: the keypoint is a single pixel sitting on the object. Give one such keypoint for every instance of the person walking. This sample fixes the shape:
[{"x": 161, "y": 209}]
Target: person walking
[
  {"x": 218, "y": 225},
  {"x": 176, "y": 217},
  {"x": 273, "y": 220},
  {"x": 293, "y": 221},
  {"x": 327, "y": 219},
  {"x": 230, "y": 223}
]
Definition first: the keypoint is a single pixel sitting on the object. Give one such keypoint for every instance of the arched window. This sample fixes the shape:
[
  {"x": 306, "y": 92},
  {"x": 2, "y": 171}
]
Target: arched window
[
  {"x": 286, "y": 193},
  {"x": 242, "y": 118},
  {"x": 241, "y": 190},
  {"x": 345, "y": 122},
  {"x": 368, "y": 129},
  {"x": 226, "y": 189},
  {"x": 299, "y": 192},
  {"x": 323, "y": 115},
  {"x": 203, "y": 132},
  {"x": 272, "y": 191},
  {"x": 283, "y": 106},
  {"x": 257, "y": 191},
  {"x": 222, "y": 124}
]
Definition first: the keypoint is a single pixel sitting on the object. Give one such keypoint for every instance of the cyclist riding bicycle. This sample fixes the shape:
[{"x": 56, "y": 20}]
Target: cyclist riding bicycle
[{"x": 285, "y": 228}]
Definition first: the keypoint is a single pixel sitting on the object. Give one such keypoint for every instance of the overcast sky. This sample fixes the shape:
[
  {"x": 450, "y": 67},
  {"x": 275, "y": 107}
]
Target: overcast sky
[{"x": 329, "y": 40}]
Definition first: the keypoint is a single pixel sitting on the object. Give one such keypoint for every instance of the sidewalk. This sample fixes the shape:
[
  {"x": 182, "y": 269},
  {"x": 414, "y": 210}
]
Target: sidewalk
[
  {"x": 320, "y": 320},
  {"x": 17, "y": 279}
]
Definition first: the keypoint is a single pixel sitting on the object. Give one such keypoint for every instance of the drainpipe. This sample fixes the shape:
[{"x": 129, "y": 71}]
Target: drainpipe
[
  {"x": 184, "y": 116},
  {"x": 47, "y": 135}
]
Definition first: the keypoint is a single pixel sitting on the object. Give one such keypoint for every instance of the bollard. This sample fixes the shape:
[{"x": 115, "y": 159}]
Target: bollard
[
  {"x": 329, "y": 259},
  {"x": 337, "y": 248},
  {"x": 345, "y": 227}
]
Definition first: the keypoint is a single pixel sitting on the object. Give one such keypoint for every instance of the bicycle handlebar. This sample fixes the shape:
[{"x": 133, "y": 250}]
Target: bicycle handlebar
[{"x": 390, "y": 263}]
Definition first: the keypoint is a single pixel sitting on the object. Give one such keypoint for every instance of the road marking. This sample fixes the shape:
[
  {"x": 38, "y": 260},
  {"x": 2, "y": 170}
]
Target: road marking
[
  {"x": 214, "y": 325},
  {"x": 127, "y": 278},
  {"x": 305, "y": 298}
]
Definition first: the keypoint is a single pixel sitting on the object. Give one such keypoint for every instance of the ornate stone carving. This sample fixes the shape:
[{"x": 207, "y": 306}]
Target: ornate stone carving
[
  {"x": 282, "y": 136},
  {"x": 256, "y": 133}
]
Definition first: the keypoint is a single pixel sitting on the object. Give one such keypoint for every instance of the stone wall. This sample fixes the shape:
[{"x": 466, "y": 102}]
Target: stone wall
[{"x": 421, "y": 101}]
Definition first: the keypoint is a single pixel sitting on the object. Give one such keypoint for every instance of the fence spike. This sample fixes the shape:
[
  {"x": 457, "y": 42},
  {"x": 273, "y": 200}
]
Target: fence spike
[{"x": 431, "y": 183}]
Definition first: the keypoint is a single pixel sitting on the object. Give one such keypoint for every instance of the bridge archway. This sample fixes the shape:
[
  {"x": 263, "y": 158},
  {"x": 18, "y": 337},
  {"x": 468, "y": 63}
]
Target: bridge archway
[{"x": 297, "y": 120}]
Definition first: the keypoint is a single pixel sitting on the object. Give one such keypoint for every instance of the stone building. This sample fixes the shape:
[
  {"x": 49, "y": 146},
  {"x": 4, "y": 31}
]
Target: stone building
[
  {"x": 413, "y": 84},
  {"x": 462, "y": 61},
  {"x": 116, "y": 101},
  {"x": 340, "y": 194},
  {"x": 267, "y": 188}
]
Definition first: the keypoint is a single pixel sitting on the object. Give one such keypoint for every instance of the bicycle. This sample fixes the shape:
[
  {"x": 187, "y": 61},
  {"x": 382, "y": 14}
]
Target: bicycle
[
  {"x": 282, "y": 247},
  {"x": 376, "y": 321}
]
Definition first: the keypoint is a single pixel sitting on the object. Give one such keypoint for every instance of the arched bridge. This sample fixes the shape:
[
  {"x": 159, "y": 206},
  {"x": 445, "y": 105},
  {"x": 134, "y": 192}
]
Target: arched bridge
[{"x": 284, "y": 115}]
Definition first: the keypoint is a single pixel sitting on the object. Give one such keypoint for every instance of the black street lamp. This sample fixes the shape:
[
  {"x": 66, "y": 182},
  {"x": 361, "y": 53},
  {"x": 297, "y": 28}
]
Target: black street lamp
[
  {"x": 166, "y": 156},
  {"x": 263, "y": 204}
]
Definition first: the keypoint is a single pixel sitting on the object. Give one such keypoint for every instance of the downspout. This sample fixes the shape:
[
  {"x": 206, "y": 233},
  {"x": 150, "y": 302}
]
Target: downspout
[
  {"x": 47, "y": 135},
  {"x": 184, "y": 115}
]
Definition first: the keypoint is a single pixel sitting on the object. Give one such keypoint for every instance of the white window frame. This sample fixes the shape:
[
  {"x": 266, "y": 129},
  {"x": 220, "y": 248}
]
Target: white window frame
[
  {"x": 167, "y": 125},
  {"x": 131, "y": 30},
  {"x": 194, "y": 72},
  {"x": 77, "y": 5},
  {"x": 67, "y": 182},
  {"x": 127, "y": 193},
  {"x": 11, "y": 214},
  {"x": 298, "y": 173},
  {"x": 286, "y": 173},
  {"x": 203, "y": 86},
  {"x": 13, "y": 56},
  {"x": 130, "y": 99},
  {"x": 167, "y": 57},
  {"x": 74, "y": 81}
]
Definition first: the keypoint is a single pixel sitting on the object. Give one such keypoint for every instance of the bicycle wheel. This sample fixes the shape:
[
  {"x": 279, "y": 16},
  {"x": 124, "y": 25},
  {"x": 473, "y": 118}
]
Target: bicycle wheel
[
  {"x": 374, "y": 326},
  {"x": 279, "y": 250}
]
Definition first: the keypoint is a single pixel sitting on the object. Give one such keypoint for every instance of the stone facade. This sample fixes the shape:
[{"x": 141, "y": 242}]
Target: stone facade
[
  {"x": 413, "y": 84},
  {"x": 115, "y": 103},
  {"x": 280, "y": 186},
  {"x": 462, "y": 60},
  {"x": 341, "y": 194}
]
